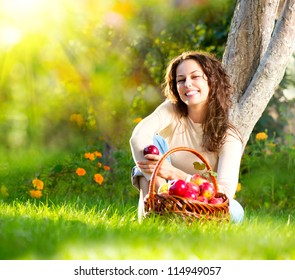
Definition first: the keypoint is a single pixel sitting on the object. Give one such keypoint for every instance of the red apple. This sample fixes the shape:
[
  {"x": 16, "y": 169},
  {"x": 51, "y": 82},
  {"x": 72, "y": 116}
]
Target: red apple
[
  {"x": 202, "y": 199},
  {"x": 215, "y": 200},
  {"x": 191, "y": 194},
  {"x": 207, "y": 190},
  {"x": 194, "y": 187},
  {"x": 198, "y": 179},
  {"x": 151, "y": 149},
  {"x": 177, "y": 187}
]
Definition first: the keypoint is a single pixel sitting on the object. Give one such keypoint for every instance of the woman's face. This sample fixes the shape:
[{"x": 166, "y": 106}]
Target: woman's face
[{"x": 192, "y": 83}]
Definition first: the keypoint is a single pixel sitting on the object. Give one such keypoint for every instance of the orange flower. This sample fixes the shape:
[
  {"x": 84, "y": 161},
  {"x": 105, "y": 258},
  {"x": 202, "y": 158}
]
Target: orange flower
[
  {"x": 137, "y": 120},
  {"x": 90, "y": 156},
  {"x": 261, "y": 136},
  {"x": 99, "y": 164},
  {"x": 98, "y": 154},
  {"x": 80, "y": 171},
  {"x": 98, "y": 178},
  {"x": 77, "y": 118},
  {"x": 38, "y": 184},
  {"x": 35, "y": 193},
  {"x": 106, "y": 168}
]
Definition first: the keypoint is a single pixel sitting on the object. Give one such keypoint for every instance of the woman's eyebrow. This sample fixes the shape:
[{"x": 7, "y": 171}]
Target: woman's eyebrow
[{"x": 181, "y": 75}]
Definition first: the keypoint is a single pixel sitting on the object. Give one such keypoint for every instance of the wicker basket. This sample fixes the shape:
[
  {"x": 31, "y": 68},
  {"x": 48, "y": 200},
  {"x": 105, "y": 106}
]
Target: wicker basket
[{"x": 188, "y": 209}]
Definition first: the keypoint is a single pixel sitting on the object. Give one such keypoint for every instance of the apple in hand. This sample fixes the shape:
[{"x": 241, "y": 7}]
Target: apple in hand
[
  {"x": 207, "y": 190},
  {"x": 151, "y": 149},
  {"x": 178, "y": 187}
]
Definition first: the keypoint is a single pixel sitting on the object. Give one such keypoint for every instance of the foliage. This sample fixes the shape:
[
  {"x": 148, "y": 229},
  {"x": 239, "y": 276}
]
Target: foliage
[
  {"x": 103, "y": 62},
  {"x": 92, "y": 171},
  {"x": 279, "y": 113},
  {"x": 267, "y": 176}
]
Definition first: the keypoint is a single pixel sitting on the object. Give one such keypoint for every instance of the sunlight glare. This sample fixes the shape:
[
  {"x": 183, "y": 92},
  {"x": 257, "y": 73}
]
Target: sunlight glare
[
  {"x": 22, "y": 7},
  {"x": 10, "y": 36},
  {"x": 29, "y": 15}
]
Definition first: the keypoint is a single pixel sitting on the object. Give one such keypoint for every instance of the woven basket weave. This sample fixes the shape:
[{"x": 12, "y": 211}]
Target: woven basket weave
[{"x": 188, "y": 209}]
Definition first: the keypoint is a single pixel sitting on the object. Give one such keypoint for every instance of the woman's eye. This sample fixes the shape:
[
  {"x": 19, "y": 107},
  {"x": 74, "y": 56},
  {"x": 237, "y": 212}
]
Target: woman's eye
[
  {"x": 196, "y": 77},
  {"x": 180, "y": 81}
]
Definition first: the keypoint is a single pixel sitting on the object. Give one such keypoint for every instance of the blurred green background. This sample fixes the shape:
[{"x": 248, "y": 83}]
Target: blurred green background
[
  {"x": 80, "y": 74},
  {"x": 72, "y": 71}
]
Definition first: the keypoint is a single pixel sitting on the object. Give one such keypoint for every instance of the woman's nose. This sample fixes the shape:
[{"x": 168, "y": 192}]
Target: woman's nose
[{"x": 188, "y": 83}]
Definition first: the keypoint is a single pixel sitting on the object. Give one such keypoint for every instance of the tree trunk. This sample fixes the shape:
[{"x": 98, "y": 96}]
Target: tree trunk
[{"x": 256, "y": 56}]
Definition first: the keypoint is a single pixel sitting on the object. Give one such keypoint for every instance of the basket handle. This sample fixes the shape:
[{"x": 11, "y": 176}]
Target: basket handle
[{"x": 159, "y": 163}]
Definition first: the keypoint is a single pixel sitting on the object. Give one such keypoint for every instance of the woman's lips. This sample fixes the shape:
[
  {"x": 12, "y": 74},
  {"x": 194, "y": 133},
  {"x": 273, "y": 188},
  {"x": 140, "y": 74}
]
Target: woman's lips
[{"x": 191, "y": 93}]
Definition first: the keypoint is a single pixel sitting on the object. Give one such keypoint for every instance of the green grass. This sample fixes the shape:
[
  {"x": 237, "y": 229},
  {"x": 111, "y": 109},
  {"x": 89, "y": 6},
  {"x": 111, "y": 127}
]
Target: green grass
[
  {"x": 77, "y": 231},
  {"x": 79, "y": 223}
]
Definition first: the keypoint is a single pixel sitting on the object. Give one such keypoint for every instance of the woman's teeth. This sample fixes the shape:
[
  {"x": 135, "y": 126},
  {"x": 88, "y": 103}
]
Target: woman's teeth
[{"x": 190, "y": 93}]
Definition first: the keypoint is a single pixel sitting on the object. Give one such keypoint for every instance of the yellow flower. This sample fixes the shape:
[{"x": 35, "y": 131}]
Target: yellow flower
[
  {"x": 90, "y": 156},
  {"x": 239, "y": 187},
  {"x": 261, "y": 136},
  {"x": 99, "y": 164},
  {"x": 137, "y": 120},
  {"x": 38, "y": 184},
  {"x": 80, "y": 171},
  {"x": 3, "y": 191},
  {"x": 35, "y": 193},
  {"x": 98, "y": 178}
]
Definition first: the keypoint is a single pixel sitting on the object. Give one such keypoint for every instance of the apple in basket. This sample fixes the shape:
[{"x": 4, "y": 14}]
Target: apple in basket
[
  {"x": 194, "y": 188},
  {"x": 163, "y": 189},
  {"x": 202, "y": 198},
  {"x": 207, "y": 190},
  {"x": 178, "y": 187},
  {"x": 151, "y": 149},
  {"x": 215, "y": 200},
  {"x": 190, "y": 194},
  {"x": 198, "y": 179}
]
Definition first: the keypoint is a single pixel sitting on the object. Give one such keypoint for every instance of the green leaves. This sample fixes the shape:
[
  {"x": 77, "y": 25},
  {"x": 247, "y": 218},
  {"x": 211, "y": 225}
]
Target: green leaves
[{"x": 199, "y": 165}]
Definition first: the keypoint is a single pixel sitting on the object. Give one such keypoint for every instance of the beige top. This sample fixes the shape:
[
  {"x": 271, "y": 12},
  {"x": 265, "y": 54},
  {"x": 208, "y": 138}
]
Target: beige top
[{"x": 183, "y": 132}]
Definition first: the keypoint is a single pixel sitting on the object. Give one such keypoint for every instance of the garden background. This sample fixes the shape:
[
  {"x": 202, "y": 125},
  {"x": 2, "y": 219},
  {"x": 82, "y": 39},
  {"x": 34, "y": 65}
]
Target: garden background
[{"x": 75, "y": 78}]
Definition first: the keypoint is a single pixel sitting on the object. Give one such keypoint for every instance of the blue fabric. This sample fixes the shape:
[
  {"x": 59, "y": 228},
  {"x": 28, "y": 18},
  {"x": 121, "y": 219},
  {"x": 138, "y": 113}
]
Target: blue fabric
[
  {"x": 161, "y": 144},
  {"x": 236, "y": 211}
]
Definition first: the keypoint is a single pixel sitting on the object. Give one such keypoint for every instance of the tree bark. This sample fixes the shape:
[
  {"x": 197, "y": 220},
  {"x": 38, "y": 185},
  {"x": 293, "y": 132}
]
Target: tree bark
[{"x": 256, "y": 56}]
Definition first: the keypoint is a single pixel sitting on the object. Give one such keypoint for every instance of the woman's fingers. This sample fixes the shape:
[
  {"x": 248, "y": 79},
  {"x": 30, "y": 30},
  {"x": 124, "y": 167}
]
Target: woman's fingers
[{"x": 152, "y": 157}]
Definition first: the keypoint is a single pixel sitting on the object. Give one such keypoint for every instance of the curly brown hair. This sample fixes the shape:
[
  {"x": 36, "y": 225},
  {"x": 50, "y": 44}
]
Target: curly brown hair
[{"x": 216, "y": 124}]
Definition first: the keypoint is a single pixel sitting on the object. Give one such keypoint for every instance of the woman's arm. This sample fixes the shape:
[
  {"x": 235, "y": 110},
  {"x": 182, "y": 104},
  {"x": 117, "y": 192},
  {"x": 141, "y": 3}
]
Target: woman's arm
[
  {"x": 144, "y": 132},
  {"x": 229, "y": 165}
]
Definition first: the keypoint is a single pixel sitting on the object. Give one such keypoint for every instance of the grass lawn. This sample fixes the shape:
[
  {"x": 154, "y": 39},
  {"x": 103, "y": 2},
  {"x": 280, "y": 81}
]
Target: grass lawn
[
  {"x": 82, "y": 224},
  {"x": 75, "y": 230}
]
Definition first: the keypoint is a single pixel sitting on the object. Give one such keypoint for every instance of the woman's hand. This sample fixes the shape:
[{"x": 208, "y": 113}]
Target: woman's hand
[{"x": 166, "y": 171}]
